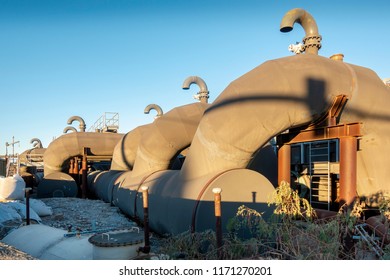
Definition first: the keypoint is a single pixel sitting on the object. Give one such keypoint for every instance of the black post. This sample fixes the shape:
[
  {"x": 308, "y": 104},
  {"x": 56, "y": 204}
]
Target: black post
[
  {"x": 145, "y": 199},
  {"x": 27, "y": 193}
]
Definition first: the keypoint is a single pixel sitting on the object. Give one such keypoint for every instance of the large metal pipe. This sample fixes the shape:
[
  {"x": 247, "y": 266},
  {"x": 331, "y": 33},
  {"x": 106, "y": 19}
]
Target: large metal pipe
[
  {"x": 274, "y": 97},
  {"x": 151, "y": 148},
  {"x": 155, "y": 107},
  {"x": 248, "y": 107},
  {"x": 33, "y": 155},
  {"x": 203, "y": 94},
  {"x": 126, "y": 149},
  {"x": 312, "y": 40},
  {"x": 62, "y": 149},
  {"x": 166, "y": 137},
  {"x": 82, "y": 125}
]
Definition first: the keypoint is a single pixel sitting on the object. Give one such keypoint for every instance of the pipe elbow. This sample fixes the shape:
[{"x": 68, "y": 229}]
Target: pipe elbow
[
  {"x": 203, "y": 94},
  {"x": 82, "y": 125},
  {"x": 36, "y": 143},
  {"x": 69, "y": 128},
  {"x": 154, "y": 107},
  {"x": 312, "y": 40}
]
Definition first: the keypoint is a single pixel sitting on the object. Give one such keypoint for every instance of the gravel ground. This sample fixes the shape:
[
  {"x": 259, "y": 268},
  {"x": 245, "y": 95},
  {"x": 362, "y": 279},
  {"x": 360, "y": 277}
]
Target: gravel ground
[
  {"x": 84, "y": 215},
  {"x": 73, "y": 214}
]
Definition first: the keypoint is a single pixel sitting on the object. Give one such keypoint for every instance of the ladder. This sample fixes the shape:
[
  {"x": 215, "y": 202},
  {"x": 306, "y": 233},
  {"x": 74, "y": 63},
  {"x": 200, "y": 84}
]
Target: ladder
[
  {"x": 12, "y": 166},
  {"x": 319, "y": 172}
]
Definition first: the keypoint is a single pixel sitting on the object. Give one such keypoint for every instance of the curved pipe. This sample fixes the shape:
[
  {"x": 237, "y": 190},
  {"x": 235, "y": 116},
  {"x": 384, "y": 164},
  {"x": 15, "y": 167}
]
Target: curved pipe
[
  {"x": 153, "y": 147},
  {"x": 312, "y": 40},
  {"x": 156, "y": 108},
  {"x": 69, "y": 128},
  {"x": 166, "y": 137},
  {"x": 36, "y": 143},
  {"x": 203, "y": 94},
  {"x": 32, "y": 156},
  {"x": 248, "y": 107},
  {"x": 72, "y": 145},
  {"x": 126, "y": 149},
  {"x": 82, "y": 125}
]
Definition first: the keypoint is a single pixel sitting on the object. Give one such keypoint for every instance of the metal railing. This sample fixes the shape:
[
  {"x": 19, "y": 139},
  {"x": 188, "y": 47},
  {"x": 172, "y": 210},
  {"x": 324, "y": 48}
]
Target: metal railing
[{"x": 107, "y": 122}]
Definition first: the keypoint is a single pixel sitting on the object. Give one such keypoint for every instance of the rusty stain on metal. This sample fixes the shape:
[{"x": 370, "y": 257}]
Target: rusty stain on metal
[{"x": 323, "y": 133}]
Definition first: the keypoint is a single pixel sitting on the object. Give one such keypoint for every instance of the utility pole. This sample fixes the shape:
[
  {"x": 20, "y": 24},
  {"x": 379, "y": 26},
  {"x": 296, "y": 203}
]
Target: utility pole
[{"x": 13, "y": 147}]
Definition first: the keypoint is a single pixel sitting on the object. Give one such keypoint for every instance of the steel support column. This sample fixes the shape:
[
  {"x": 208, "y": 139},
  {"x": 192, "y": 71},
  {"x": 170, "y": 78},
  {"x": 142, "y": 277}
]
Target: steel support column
[
  {"x": 284, "y": 164},
  {"x": 348, "y": 166},
  {"x": 84, "y": 175}
]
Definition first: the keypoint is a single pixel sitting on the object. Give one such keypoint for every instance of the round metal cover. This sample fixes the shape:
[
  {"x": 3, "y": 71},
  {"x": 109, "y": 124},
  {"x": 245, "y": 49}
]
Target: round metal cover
[{"x": 116, "y": 239}]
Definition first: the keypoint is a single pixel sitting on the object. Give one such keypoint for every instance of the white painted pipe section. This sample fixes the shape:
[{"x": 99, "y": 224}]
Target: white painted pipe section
[{"x": 48, "y": 243}]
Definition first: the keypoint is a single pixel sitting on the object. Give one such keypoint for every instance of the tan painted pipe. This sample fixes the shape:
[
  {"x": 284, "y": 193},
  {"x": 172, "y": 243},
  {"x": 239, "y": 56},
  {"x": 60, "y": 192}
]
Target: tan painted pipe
[
  {"x": 82, "y": 125},
  {"x": 68, "y": 146},
  {"x": 203, "y": 94},
  {"x": 257, "y": 106},
  {"x": 312, "y": 40},
  {"x": 69, "y": 128},
  {"x": 32, "y": 155},
  {"x": 274, "y": 97},
  {"x": 126, "y": 149},
  {"x": 156, "y": 108},
  {"x": 166, "y": 137},
  {"x": 36, "y": 143}
]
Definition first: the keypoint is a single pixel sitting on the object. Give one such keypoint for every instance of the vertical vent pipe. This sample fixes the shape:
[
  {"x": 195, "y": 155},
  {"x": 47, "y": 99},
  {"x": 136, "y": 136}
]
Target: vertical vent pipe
[
  {"x": 203, "y": 94},
  {"x": 312, "y": 39},
  {"x": 156, "y": 108},
  {"x": 82, "y": 125}
]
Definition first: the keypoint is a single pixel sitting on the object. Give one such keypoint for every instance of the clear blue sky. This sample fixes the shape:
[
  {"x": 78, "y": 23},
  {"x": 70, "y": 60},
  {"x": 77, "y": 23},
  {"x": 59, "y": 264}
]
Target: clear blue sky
[{"x": 61, "y": 58}]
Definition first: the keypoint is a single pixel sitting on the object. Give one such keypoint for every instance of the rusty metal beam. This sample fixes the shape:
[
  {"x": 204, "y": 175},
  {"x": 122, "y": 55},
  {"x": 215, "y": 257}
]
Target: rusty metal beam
[
  {"x": 284, "y": 164},
  {"x": 84, "y": 171},
  {"x": 348, "y": 167},
  {"x": 322, "y": 133},
  {"x": 99, "y": 158}
]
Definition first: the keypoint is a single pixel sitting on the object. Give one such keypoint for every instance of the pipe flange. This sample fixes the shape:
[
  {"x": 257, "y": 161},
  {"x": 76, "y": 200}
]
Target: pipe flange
[
  {"x": 201, "y": 94},
  {"x": 312, "y": 41}
]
